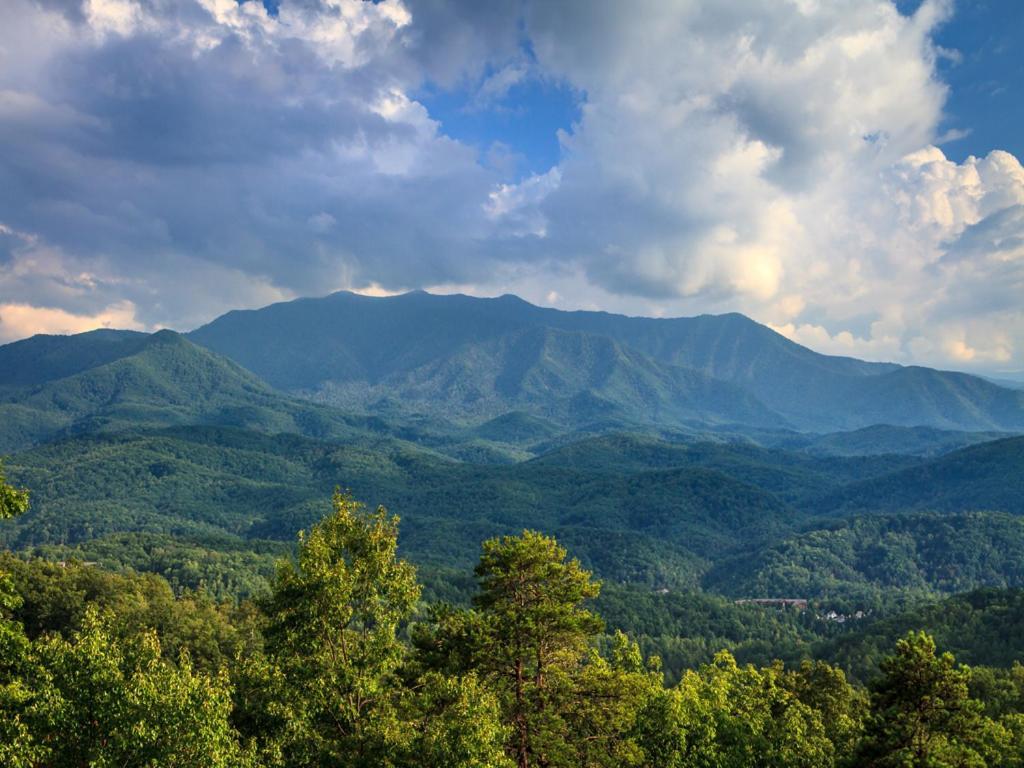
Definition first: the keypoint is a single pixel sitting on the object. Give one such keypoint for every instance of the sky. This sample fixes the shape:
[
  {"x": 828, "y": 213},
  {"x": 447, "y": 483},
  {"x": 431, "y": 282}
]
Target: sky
[{"x": 845, "y": 171}]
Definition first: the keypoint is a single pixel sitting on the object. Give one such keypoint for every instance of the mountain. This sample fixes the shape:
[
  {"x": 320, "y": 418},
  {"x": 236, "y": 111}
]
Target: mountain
[
  {"x": 860, "y": 560},
  {"x": 568, "y": 377},
  {"x": 39, "y": 359},
  {"x": 886, "y": 439},
  {"x": 109, "y": 380},
  {"x": 471, "y": 359},
  {"x": 989, "y": 476},
  {"x": 239, "y": 487}
]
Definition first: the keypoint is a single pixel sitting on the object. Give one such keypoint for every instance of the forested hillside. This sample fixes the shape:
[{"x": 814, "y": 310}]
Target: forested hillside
[
  {"x": 465, "y": 357},
  {"x": 341, "y": 662},
  {"x": 168, "y": 484}
]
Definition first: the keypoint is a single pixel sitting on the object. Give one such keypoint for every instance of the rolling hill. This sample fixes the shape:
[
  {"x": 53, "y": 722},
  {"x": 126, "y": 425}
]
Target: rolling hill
[
  {"x": 107, "y": 382},
  {"x": 862, "y": 560},
  {"x": 211, "y": 483},
  {"x": 989, "y": 476}
]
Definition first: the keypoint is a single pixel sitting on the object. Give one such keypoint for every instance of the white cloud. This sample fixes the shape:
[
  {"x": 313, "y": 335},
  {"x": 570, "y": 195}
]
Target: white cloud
[
  {"x": 777, "y": 158},
  {"x": 516, "y": 208}
]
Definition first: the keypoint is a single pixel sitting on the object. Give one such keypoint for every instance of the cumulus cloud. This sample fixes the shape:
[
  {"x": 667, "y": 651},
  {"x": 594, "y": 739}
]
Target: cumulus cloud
[
  {"x": 777, "y": 158},
  {"x": 20, "y": 320}
]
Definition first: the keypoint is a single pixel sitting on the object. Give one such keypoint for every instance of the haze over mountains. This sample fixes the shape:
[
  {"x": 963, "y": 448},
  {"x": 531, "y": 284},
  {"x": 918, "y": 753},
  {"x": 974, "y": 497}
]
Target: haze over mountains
[
  {"x": 468, "y": 358},
  {"x": 658, "y": 449}
]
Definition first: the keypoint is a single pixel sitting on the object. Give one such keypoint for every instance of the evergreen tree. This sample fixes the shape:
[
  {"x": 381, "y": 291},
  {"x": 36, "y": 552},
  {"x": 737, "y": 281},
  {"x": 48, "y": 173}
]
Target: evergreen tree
[
  {"x": 536, "y": 632},
  {"x": 922, "y": 714}
]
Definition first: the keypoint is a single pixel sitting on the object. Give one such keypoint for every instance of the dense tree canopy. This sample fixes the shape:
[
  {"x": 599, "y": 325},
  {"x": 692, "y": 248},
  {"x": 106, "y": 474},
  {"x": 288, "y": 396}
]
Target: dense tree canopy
[{"x": 342, "y": 663}]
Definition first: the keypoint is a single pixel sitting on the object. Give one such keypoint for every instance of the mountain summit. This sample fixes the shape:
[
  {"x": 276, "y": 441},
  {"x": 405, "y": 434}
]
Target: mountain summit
[{"x": 470, "y": 359}]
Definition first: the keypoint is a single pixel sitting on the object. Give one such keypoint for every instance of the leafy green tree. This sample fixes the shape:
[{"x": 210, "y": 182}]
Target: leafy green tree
[
  {"x": 457, "y": 724},
  {"x": 922, "y": 713},
  {"x": 536, "y": 632},
  {"x": 843, "y": 708},
  {"x": 735, "y": 716},
  {"x": 333, "y": 619},
  {"x": 13, "y": 501},
  {"x": 606, "y": 699},
  {"x": 18, "y": 747},
  {"x": 100, "y": 700}
]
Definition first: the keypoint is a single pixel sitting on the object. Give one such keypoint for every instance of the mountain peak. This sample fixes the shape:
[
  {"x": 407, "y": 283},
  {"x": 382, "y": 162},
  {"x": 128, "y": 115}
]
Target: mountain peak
[{"x": 386, "y": 345}]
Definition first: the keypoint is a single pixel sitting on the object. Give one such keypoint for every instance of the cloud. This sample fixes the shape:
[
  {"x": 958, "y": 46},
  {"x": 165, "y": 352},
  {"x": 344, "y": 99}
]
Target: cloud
[
  {"x": 777, "y": 158},
  {"x": 20, "y": 320}
]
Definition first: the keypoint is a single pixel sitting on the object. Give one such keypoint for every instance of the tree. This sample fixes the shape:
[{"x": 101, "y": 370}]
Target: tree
[
  {"x": 333, "y": 618},
  {"x": 608, "y": 695},
  {"x": 842, "y": 707},
  {"x": 536, "y": 632},
  {"x": 13, "y": 501},
  {"x": 728, "y": 715},
  {"x": 17, "y": 746},
  {"x": 457, "y": 723},
  {"x": 96, "y": 699},
  {"x": 922, "y": 715}
]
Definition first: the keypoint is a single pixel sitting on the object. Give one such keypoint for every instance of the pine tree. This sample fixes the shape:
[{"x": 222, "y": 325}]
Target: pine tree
[
  {"x": 922, "y": 714},
  {"x": 535, "y": 639}
]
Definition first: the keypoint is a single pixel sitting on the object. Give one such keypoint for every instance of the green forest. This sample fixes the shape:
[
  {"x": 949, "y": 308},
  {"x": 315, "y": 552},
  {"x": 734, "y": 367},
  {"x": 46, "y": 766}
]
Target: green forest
[
  {"x": 343, "y": 661},
  {"x": 571, "y": 584}
]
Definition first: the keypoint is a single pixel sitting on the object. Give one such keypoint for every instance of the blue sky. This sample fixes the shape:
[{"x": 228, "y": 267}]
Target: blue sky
[
  {"x": 527, "y": 120},
  {"x": 847, "y": 173},
  {"x": 986, "y": 77}
]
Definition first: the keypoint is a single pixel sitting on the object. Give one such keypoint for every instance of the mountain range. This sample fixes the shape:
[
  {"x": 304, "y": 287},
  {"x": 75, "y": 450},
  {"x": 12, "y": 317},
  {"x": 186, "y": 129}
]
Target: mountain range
[
  {"x": 468, "y": 359},
  {"x": 697, "y": 453}
]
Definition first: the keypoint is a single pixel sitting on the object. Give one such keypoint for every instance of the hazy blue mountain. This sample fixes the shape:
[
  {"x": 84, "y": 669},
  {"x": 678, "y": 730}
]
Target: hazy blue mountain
[{"x": 473, "y": 357}]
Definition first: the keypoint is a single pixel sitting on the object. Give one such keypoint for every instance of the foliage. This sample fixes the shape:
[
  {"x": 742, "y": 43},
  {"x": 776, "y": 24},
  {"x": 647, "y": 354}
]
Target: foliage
[
  {"x": 922, "y": 715},
  {"x": 861, "y": 561},
  {"x": 332, "y": 622},
  {"x": 981, "y": 627},
  {"x": 13, "y": 501},
  {"x": 101, "y": 700},
  {"x": 340, "y": 664}
]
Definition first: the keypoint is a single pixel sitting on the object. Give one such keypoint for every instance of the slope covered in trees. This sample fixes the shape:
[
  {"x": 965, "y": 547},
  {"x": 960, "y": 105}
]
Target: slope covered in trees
[
  {"x": 133, "y": 381},
  {"x": 111, "y": 670},
  {"x": 345, "y": 345},
  {"x": 213, "y": 504},
  {"x": 986, "y": 476},
  {"x": 863, "y": 559}
]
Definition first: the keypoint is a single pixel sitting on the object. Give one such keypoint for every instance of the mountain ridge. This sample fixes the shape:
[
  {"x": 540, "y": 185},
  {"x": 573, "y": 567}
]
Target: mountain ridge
[{"x": 320, "y": 346}]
